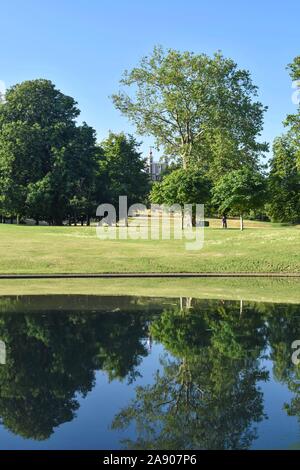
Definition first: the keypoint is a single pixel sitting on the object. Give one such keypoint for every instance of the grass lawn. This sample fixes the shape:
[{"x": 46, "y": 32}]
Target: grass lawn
[
  {"x": 262, "y": 247},
  {"x": 260, "y": 290}
]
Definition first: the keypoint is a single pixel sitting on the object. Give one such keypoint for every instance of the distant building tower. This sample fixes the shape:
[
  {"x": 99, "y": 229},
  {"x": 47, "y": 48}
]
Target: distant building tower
[{"x": 155, "y": 168}]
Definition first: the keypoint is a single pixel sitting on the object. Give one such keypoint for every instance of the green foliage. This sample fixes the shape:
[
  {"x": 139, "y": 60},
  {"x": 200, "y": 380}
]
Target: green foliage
[
  {"x": 198, "y": 108},
  {"x": 178, "y": 329},
  {"x": 293, "y": 120},
  {"x": 52, "y": 358},
  {"x": 181, "y": 187},
  {"x": 206, "y": 397},
  {"x": 206, "y": 394},
  {"x": 123, "y": 169},
  {"x": 284, "y": 182},
  {"x": 45, "y": 158},
  {"x": 284, "y": 178},
  {"x": 240, "y": 191}
]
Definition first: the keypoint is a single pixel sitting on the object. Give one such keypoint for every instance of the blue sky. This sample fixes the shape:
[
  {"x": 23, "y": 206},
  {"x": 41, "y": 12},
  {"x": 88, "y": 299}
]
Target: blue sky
[{"x": 83, "y": 46}]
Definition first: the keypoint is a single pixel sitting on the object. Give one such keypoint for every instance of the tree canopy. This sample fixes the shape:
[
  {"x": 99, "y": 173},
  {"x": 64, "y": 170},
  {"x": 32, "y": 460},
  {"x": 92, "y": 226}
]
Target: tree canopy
[
  {"x": 240, "y": 191},
  {"x": 202, "y": 111},
  {"x": 124, "y": 169},
  {"x": 293, "y": 120},
  {"x": 51, "y": 168},
  {"x": 45, "y": 157},
  {"x": 181, "y": 186},
  {"x": 284, "y": 182},
  {"x": 198, "y": 108}
]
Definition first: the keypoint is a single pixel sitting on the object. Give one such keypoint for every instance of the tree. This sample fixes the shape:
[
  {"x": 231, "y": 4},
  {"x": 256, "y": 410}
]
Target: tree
[
  {"x": 21, "y": 153},
  {"x": 43, "y": 153},
  {"x": 284, "y": 182},
  {"x": 284, "y": 178},
  {"x": 239, "y": 192},
  {"x": 293, "y": 120},
  {"x": 82, "y": 162},
  {"x": 198, "y": 108},
  {"x": 123, "y": 169},
  {"x": 182, "y": 187}
]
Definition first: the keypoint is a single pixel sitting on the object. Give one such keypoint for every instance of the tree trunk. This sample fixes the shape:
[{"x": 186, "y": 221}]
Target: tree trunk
[
  {"x": 184, "y": 161},
  {"x": 241, "y": 222}
]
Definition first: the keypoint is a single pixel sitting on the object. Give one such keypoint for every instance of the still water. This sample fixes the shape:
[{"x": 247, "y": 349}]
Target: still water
[{"x": 89, "y": 372}]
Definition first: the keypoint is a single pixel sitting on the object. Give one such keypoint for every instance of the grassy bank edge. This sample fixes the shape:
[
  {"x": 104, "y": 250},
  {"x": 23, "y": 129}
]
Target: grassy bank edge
[{"x": 248, "y": 289}]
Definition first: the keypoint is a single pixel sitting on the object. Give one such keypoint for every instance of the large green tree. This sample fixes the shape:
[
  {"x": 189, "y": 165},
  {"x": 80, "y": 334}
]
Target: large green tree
[
  {"x": 293, "y": 120},
  {"x": 123, "y": 170},
  {"x": 45, "y": 158},
  {"x": 198, "y": 108},
  {"x": 239, "y": 192},
  {"x": 284, "y": 178},
  {"x": 182, "y": 186},
  {"x": 284, "y": 182}
]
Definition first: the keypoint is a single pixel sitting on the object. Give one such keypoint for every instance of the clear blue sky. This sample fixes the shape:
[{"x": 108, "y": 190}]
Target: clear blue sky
[{"x": 83, "y": 46}]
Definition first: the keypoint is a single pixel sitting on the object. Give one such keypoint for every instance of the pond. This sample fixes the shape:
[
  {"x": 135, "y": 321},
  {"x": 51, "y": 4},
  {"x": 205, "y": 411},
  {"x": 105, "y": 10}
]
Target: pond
[{"x": 91, "y": 372}]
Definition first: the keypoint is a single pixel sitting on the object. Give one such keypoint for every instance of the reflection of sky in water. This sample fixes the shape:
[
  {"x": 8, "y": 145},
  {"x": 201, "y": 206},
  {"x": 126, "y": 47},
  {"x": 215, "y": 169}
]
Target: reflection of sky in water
[
  {"x": 91, "y": 428},
  {"x": 279, "y": 430}
]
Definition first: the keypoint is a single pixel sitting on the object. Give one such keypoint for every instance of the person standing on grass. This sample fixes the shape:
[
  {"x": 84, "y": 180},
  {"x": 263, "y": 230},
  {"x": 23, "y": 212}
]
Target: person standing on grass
[{"x": 224, "y": 221}]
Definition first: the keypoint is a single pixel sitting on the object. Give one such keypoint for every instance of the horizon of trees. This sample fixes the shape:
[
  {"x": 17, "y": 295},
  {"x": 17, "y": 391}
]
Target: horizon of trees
[
  {"x": 54, "y": 170},
  {"x": 201, "y": 111}
]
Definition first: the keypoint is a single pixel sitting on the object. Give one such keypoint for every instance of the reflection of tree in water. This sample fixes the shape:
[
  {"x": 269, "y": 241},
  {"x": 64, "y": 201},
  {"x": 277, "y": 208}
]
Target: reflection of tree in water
[
  {"x": 52, "y": 357},
  {"x": 206, "y": 395},
  {"x": 284, "y": 328}
]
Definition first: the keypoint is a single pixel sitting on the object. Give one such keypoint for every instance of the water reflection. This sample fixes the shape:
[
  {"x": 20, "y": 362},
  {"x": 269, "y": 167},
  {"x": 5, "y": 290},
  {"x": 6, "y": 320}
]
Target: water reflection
[
  {"x": 206, "y": 391},
  {"x": 54, "y": 355},
  {"x": 206, "y": 396}
]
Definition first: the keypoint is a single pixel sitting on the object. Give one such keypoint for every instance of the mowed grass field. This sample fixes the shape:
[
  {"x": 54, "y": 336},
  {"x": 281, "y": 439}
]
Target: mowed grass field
[
  {"x": 259, "y": 290},
  {"x": 262, "y": 247}
]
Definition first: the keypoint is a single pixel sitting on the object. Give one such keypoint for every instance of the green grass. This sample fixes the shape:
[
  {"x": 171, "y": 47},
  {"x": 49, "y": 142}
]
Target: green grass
[
  {"x": 261, "y": 248},
  {"x": 264, "y": 290}
]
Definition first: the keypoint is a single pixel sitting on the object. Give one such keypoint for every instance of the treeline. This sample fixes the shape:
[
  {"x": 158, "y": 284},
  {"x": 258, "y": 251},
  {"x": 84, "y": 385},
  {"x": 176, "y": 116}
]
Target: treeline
[
  {"x": 53, "y": 169},
  {"x": 202, "y": 112}
]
